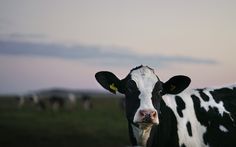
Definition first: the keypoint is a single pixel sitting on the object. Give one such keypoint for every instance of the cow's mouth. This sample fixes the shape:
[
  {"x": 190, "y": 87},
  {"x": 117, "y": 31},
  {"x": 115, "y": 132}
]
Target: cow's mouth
[
  {"x": 144, "y": 125},
  {"x": 146, "y": 122}
]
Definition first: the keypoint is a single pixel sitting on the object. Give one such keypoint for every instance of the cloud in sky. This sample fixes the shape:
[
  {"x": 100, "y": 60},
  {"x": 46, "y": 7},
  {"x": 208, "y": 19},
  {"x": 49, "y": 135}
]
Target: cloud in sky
[
  {"x": 26, "y": 36},
  {"x": 94, "y": 54}
]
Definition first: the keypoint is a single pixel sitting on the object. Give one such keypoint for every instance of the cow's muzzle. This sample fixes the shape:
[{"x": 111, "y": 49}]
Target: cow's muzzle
[{"x": 147, "y": 116}]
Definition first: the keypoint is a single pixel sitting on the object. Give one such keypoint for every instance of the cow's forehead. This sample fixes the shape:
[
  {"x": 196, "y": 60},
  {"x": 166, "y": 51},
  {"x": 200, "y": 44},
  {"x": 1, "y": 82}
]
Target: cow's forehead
[{"x": 144, "y": 77}]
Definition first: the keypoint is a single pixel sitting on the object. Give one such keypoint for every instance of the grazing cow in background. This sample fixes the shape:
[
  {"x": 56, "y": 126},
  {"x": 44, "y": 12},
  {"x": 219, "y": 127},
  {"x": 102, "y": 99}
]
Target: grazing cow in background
[
  {"x": 27, "y": 99},
  {"x": 21, "y": 101},
  {"x": 71, "y": 101},
  {"x": 166, "y": 115},
  {"x": 53, "y": 102},
  {"x": 56, "y": 102},
  {"x": 43, "y": 101},
  {"x": 86, "y": 102}
]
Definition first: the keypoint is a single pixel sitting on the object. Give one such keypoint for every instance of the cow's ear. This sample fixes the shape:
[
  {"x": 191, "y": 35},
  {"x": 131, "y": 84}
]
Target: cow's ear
[
  {"x": 176, "y": 84},
  {"x": 108, "y": 81}
]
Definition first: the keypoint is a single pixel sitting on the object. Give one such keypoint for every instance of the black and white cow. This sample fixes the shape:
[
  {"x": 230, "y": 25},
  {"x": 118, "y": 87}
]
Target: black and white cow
[{"x": 166, "y": 115}]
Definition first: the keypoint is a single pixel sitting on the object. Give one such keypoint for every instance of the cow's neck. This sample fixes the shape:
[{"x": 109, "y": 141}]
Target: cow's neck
[{"x": 141, "y": 133}]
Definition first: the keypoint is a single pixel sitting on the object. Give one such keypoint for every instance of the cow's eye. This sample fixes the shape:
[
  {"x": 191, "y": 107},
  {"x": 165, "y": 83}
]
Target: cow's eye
[
  {"x": 131, "y": 86},
  {"x": 157, "y": 89}
]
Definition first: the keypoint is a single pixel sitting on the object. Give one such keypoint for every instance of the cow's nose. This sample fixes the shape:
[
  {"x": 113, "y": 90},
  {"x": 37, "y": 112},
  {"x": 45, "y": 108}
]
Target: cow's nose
[{"x": 148, "y": 116}]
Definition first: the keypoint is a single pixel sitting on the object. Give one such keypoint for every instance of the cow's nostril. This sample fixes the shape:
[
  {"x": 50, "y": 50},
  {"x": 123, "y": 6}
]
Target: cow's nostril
[
  {"x": 143, "y": 112},
  {"x": 153, "y": 114}
]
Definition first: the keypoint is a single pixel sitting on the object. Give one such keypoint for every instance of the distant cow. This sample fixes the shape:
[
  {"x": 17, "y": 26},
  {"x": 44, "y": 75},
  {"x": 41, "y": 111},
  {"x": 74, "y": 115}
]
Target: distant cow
[
  {"x": 53, "y": 102},
  {"x": 56, "y": 102},
  {"x": 20, "y": 101},
  {"x": 27, "y": 100},
  {"x": 164, "y": 115},
  {"x": 71, "y": 101},
  {"x": 86, "y": 102}
]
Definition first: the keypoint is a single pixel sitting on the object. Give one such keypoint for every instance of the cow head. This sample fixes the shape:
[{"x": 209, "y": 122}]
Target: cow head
[{"x": 143, "y": 91}]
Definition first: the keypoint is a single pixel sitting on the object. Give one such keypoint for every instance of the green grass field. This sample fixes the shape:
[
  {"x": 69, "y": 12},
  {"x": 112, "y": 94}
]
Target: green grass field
[{"x": 103, "y": 126}]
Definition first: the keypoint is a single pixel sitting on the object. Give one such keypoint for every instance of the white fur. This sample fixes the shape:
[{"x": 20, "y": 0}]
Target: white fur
[
  {"x": 212, "y": 103},
  {"x": 141, "y": 134},
  {"x": 222, "y": 128},
  {"x": 188, "y": 115},
  {"x": 145, "y": 79}
]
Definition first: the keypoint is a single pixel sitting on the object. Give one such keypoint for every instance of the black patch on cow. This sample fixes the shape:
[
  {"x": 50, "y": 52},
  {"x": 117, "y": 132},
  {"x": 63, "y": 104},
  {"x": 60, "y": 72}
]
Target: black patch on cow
[
  {"x": 206, "y": 117},
  {"x": 132, "y": 102},
  {"x": 180, "y": 105},
  {"x": 205, "y": 138},
  {"x": 183, "y": 145},
  {"x": 189, "y": 128},
  {"x": 156, "y": 96},
  {"x": 200, "y": 112},
  {"x": 165, "y": 133},
  {"x": 212, "y": 118},
  {"x": 203, "y": 95},
  {"x": 131, "y": 135},
  {"x": 226, "y": 93},
  {"x": 228, "y": 97}
]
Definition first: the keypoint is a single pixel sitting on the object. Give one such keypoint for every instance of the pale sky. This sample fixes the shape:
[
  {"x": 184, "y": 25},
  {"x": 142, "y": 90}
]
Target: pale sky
[{"x": 63, "y": 43}]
